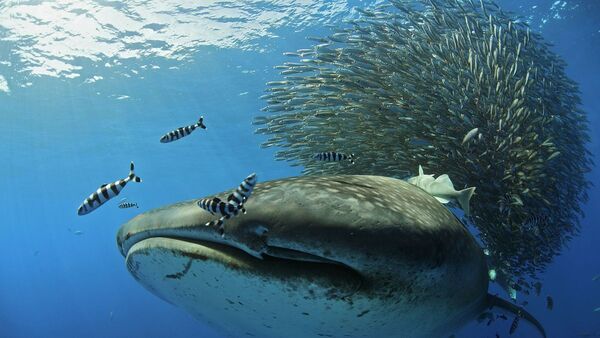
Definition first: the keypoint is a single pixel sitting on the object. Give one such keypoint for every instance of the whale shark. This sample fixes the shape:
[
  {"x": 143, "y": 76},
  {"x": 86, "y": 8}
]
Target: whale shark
[{"x": 314, "y": 256}]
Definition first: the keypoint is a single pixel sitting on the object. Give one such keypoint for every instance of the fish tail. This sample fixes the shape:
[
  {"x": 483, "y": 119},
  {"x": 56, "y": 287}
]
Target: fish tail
[
  {"x": 201, "y": 122},
  {"x": 132, "y": 176},
  {"x": 464, "y": 196},
  {"x": 494, "y": 301},
  {"x": 351, "y": 158}
]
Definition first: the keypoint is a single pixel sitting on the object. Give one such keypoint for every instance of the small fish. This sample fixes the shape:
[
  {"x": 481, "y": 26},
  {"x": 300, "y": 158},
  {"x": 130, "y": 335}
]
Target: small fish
[
  {"x": 126, "y": 205},
  {"x": 512, "y": 293},
  {"x": 492, "y": 274},
  {"x": 596, "y": 277},
  {"x": 472, "y": 133},
  {"x": 597, "y": 309},
  {"x": 501, "y": 316},
  {"x": 332, "y": 156},
  {"x": 538, "y": 288},
  {"x": 181, "y": 132},
  {"x": 553, "y": 155},
  {"x": 76, "y": 232},
  {"x": 235, "y": 203},
  {"x": 549, "y": 303},
  {"x": 485, "y": 315},
  {"x": 106, "y": 192},
  {"x": 534, "y": 222},
  {"x": 514, "y": 325},
  {"x": 442, "y": 189}
]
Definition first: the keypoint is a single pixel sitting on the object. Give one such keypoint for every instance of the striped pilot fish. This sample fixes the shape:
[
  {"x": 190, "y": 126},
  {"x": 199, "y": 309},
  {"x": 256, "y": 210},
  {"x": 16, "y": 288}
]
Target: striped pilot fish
[
  {"x": 233, "y": 206},
  {"x": 106, "y": 192},
  {"x": 332, "y": 156},
  {"x": 181, "y": 132},
  {"x": 126, "y": 205}
]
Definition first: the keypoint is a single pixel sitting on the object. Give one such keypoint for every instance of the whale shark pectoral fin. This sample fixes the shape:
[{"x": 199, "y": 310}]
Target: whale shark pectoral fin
[{"x": 494, "y": 301}]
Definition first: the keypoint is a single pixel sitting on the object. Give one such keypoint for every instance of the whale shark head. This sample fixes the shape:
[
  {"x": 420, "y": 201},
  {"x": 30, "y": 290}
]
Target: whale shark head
[{"x": 335, "y": 255}]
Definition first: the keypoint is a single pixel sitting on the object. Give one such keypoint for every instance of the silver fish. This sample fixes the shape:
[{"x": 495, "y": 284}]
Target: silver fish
[{"x": 472, "y": 133}]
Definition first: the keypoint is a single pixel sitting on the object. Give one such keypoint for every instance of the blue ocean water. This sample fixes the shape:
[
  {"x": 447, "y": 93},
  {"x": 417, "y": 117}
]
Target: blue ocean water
[{"x": 88, "y": 86}]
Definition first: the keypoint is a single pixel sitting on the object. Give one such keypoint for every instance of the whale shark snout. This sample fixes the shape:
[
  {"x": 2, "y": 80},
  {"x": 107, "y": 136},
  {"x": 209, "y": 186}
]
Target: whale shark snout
[{"x": 337, "y": 255}]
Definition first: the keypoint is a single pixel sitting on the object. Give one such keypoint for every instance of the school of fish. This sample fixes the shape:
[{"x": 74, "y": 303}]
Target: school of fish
[{"x": 461, "y": 88}]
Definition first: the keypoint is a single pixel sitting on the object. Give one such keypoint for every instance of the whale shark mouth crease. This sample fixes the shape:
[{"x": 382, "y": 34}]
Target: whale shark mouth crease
[{"x": 269, "y": 255}]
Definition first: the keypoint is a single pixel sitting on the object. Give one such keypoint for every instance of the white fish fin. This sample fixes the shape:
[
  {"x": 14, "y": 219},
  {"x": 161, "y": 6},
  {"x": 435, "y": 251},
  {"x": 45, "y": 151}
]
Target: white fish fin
[
  {"x": 421, "y": 171},
  {"x": 463, "y": 198},
  {"x": 441, "y": 199},
  {"x": 445, "y": 179}
]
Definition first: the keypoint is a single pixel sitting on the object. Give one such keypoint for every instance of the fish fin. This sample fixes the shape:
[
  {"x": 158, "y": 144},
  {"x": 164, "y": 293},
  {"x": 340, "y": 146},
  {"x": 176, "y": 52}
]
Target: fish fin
[
  {"x": 441, "y": 199},
  {"x": 132, "y": 176},
  {"x": 445, "y": 180},
  {"x": 104, "y": 185},
  {"x": 421, "y": 171},
  {"x": 201, "y": 122},
  {"x": 494, "y": 301},
  {"x": 463, "y": 198}
]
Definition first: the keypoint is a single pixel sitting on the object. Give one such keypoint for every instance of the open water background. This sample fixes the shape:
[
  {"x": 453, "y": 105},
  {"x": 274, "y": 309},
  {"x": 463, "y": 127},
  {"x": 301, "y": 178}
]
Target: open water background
[{"x": 87, "y": 86}]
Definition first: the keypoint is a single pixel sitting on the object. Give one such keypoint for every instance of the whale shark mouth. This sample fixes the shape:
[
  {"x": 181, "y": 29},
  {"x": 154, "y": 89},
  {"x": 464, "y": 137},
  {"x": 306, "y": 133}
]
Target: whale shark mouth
[
  {"x": 270, "y": 252},
  {"x": 270, "y": 257},
  {"x": 279, "y": 265}
]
